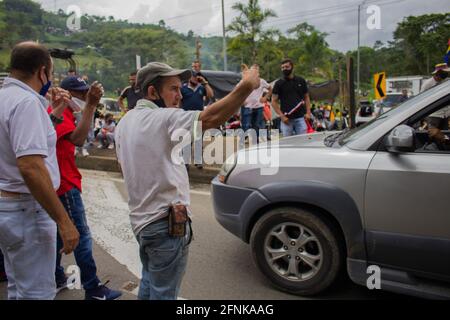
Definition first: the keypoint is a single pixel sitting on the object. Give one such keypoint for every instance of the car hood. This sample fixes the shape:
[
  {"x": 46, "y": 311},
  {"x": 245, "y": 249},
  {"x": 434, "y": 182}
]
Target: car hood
[{"x": 315, "y": 140}]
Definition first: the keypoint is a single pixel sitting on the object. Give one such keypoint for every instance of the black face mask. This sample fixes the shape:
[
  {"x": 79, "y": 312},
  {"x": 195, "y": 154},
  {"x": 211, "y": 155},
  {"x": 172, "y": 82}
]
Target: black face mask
[
  {"x": 443, "y": 75},
  {"x": 287, "y": 73},
  {"x": 160, "y": 102}
]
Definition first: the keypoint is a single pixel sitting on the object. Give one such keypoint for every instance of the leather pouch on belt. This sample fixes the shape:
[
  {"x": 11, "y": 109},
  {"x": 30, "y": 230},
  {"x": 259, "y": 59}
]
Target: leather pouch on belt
[{"x": 178, "y": 219}]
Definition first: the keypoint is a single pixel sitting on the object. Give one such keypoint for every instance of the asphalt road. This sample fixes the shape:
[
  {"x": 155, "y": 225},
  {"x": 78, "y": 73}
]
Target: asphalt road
[{"x": 220, "y": 265}]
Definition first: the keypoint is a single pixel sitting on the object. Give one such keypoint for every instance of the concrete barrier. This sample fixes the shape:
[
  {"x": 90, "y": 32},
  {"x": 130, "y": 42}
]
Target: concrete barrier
[{"x": 105, "y": 160}]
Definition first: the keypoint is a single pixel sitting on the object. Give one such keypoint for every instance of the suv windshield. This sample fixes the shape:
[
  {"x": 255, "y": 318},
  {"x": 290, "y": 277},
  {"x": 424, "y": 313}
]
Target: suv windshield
[{"x": 356, "y": 133}]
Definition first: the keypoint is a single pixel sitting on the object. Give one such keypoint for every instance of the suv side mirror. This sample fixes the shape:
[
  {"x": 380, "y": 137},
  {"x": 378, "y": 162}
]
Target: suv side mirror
[{"x": 401, "y": 139}]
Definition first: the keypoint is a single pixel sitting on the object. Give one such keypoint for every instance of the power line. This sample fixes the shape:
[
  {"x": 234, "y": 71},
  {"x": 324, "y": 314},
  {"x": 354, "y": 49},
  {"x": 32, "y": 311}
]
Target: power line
[
  {"x": 312, "y": 13},
  {"x": 312, "y": 16}
]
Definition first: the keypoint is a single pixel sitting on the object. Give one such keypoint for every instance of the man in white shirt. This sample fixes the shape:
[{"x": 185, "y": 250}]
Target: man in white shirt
[
  {"x": 155, "y": 174},
  {"x": 29, "y": 176},
  {"x": 252, "y": 113}
]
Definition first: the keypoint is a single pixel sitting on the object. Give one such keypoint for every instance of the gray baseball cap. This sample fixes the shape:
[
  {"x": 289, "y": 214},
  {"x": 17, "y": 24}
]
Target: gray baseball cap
[{"x": 153, "y": 70}]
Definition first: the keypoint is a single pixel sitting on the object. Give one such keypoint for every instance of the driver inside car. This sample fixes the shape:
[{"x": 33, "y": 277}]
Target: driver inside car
[{"x": 437, "y": 122}]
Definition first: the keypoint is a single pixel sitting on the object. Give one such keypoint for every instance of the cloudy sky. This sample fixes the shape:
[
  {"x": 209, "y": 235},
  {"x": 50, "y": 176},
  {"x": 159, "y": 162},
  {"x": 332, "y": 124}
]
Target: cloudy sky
[{"x": 204, "y": 17}]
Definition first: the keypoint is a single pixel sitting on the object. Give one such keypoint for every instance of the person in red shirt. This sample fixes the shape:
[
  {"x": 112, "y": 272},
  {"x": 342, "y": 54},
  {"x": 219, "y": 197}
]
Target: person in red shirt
[{"x": 71, "y": 134}]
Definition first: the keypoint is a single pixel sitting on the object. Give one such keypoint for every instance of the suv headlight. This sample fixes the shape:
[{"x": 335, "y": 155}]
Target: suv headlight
[{"x": 227, "y": 168}]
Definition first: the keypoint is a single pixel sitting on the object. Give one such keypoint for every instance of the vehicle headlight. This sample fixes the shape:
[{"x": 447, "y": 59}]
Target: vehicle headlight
[{"x": 227, "y": 168}]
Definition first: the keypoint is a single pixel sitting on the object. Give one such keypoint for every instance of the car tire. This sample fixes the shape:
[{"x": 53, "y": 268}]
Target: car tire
[{"x": 325, "y": 242}]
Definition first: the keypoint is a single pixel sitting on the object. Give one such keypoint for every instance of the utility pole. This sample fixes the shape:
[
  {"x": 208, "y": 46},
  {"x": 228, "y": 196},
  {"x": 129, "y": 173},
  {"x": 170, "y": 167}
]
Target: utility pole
[
  {"x": 341, "y": 91},
  {"x": 225, "y": 57},
  {"x": 351, "y": 90},
  {"x": 198, "y": 46},
  {"x": 358, "y": 75}
]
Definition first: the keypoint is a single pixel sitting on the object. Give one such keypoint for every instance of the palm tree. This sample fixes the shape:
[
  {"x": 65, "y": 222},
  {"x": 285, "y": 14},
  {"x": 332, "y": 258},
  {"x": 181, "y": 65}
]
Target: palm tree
[
  {"x": 312, "y": 49},
  {"x": 249, "y": 27}
]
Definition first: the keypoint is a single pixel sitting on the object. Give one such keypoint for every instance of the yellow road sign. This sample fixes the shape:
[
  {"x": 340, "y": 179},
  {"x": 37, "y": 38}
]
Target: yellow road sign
[{"x": 380, "y": 85}]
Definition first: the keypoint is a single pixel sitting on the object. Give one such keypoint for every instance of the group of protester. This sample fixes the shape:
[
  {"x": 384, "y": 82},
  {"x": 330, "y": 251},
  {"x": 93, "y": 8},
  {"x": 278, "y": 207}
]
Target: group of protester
[
  {"x": 41, "y": 210},
  {"x": 289, "y": 98}
]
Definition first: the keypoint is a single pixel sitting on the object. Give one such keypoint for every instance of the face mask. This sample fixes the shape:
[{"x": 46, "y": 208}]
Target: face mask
[
  {"x": 159, "y": 102},
  {"x": 45, "y": 88},
  {"x": 443, "y": 76},
  {"x": 287, "y": 73}
]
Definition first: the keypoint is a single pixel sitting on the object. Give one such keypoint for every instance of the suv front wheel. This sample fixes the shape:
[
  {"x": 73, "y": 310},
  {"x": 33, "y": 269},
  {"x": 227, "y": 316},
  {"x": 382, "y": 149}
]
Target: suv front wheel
[{"x": 297, "y": 250}]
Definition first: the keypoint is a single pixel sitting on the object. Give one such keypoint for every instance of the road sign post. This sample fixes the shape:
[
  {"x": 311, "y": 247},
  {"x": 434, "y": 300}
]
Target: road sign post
[{"x": 380, "y": 85}]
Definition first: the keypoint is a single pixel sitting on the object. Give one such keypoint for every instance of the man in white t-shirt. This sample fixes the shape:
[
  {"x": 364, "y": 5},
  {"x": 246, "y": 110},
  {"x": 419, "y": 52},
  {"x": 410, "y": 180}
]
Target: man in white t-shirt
[
  {"x": 252, "y": 113},
  {"x": 155, "y": 174}
]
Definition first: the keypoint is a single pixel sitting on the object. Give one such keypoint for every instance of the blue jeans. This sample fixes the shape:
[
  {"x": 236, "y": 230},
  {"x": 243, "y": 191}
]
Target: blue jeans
[
  {"x": 298, "y": 125},
  {"x": 28, "y": 243},
  {"x": 83, "y": 253},
  {"x": 164, "y": 261},
  {"x": 252, "y": 119}
]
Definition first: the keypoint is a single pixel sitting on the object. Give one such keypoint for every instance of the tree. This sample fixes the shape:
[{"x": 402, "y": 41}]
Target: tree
[
  {"x": 423, "y": 40},
  {"x": 312, "y": 51},
  {"x": 23, "y": 19},
  {"x": 162, "y": 24},
  {"x": 249, "y": 29}
]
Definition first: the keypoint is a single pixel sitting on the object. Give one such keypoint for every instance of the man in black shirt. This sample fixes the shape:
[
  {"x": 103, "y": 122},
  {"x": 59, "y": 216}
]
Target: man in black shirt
[
  {"x": 132, "y": 93},
  {"x": 293, "y": 95}
]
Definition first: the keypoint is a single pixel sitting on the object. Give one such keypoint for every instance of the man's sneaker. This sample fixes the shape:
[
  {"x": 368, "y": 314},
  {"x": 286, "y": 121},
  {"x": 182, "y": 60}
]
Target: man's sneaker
[
  {"x": 102, "y": 292},
  {"x": 3, "y": 276},
  {"x": 111, "y": 146},
  {"x": 84, "y": 152},
  {"x": 61, "y": 284}
]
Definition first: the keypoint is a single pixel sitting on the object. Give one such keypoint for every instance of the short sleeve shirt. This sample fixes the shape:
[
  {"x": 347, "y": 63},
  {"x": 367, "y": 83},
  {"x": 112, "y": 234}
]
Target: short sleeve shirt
[
  {"x": 148, "y": 149},
  {"x": 25, "y": 130},
  {"x": 133, "y": 95},
  {"x": 193, "y": 99},
  {"x": 291, "y": 92},
  {"x": 254, "y": 99},
  {"x": 65, "y": 150}
]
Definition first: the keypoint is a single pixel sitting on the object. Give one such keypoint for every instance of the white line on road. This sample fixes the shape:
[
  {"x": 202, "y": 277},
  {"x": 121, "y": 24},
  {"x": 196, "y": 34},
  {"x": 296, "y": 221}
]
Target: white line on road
[{"x": 201, "y": 193}]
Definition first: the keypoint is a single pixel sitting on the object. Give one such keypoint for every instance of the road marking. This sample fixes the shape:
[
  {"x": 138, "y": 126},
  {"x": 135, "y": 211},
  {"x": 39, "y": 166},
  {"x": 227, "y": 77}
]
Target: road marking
[{"x": 201, "y": 193}]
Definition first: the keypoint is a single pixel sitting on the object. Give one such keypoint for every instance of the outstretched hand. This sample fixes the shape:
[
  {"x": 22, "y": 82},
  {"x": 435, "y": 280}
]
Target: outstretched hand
[{"x": 251, "y": 76}]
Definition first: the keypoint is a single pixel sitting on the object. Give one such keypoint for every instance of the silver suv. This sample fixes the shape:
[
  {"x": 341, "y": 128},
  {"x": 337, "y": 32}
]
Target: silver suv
[{"x": 378, "y": 195}]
